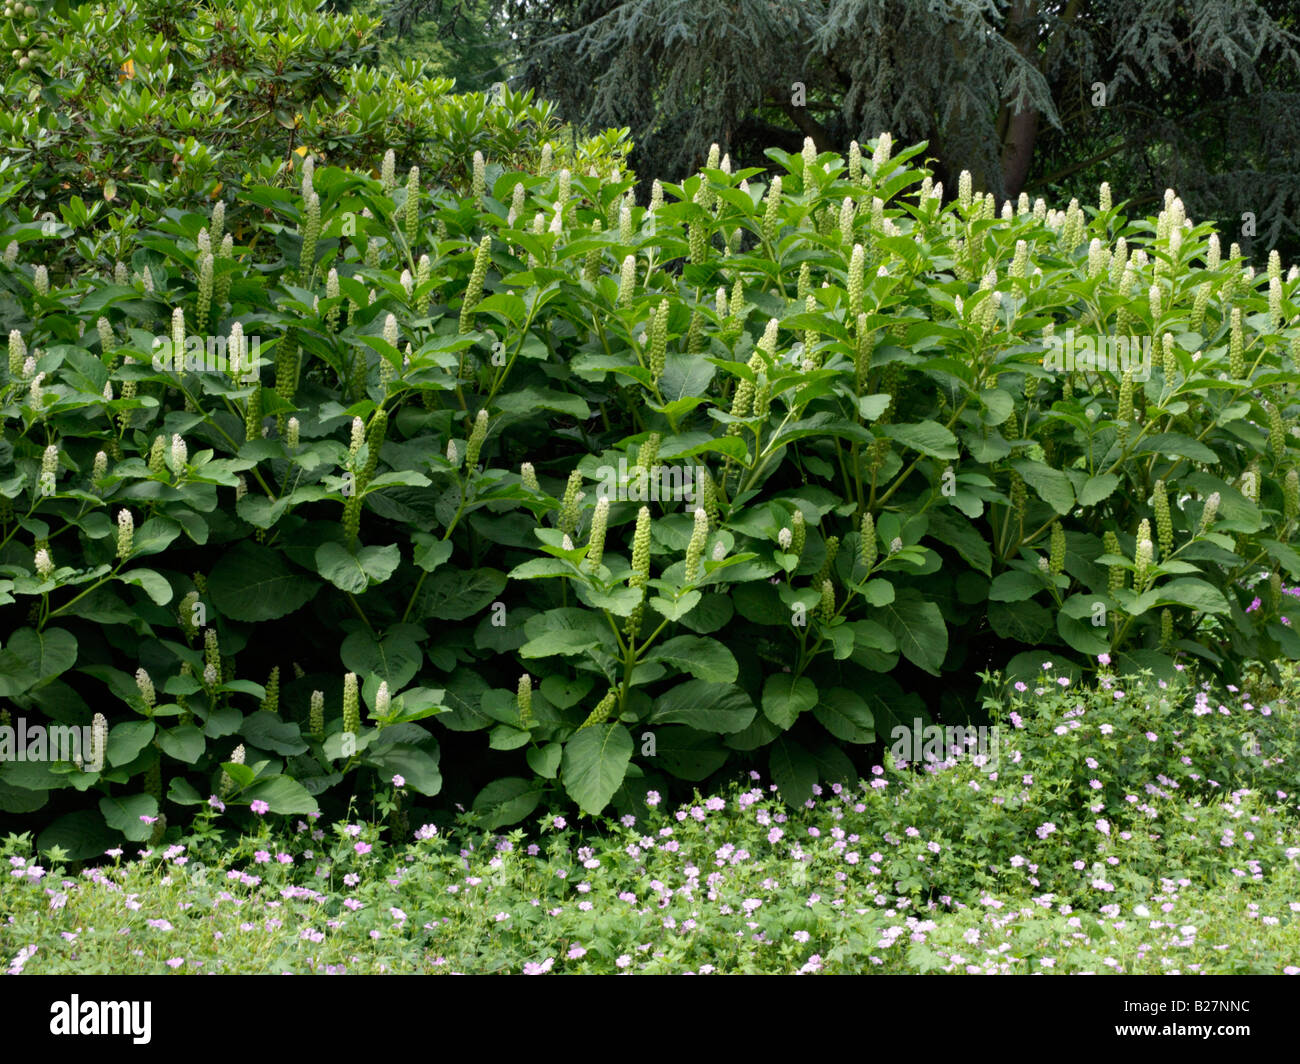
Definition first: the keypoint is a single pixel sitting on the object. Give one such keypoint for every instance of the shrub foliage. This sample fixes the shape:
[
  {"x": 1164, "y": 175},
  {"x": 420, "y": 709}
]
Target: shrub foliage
[{"x": 598, "y": 494}]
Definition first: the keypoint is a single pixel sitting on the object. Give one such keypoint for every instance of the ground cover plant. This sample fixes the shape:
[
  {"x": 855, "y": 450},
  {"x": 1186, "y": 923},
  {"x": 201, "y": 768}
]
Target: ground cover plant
[
  {"x": 1075, "y": 853},
  {"x": 369, "y": 467}
]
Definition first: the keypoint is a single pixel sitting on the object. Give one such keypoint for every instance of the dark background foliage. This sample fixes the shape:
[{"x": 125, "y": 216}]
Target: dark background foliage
[{"x": 1202, "y": 96}]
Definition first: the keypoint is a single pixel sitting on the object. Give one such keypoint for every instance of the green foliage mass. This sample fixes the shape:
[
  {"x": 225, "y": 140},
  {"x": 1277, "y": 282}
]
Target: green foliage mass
[
  {"x": 180, "y": 105},
  {"x": 1053, "y": 98},
  {"x": 408, "y": 436}
]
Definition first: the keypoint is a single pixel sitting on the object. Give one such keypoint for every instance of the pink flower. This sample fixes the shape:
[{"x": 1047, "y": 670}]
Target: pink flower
[
  {"x": 259, "y": 807},
  {"x": 1104, "y": 659},
  {"x": 362, "y": 847},
  {"x": 399, "y": 781}
]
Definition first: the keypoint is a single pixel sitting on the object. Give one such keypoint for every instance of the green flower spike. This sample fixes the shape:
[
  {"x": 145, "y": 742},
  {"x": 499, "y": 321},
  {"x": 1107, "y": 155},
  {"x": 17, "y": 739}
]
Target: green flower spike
[
  {"x": 627, "y": 281},
  {"x": 868, "y": 551},
  {"x": 601, "y": 713},
  {"x": 771, "y": 210},
  {"x": 351, "y": 705},
  {"x": 857, "y": 263},
  {"x": 476, "y": 437},
  {"x": 474, "y": 290},
  {"x": 799, "y": 532},
  {"x": 1056, "y": 551},
  {"x": 826, "y": 607},
  {"x": 596, "y": 538},
  {"x": 271, "y": 703},
  {"x": 478, "y": 184},
  {"x": 695, "y": 548},
  {"x": 1164, "y": 520},
  {"x": 568, "y": 520},
  {"x": 1236, "y": 347},
  {"x": 125, "y": 534},
  {"x": 524, "y": 700}
]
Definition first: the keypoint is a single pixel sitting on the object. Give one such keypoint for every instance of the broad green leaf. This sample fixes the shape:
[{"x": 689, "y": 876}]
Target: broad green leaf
[
  {"x": 688, "y": 754},
  {"x": 1052, "y": 486},
  {"x": 846, "y": 716},
  {"x": 32, "y": 658},
  {"x": 429, "y": 551},
  {"x": 155, "y": 585},
  {"x": 253, "y": 583},
  {"x": 1178, "y": 445},
  {"x": 786, "y": 696},
  {"x": 919, "y": 628},
  {"x": 545, "y": 760},
  {"x": 185, "y": 743},
  {"x": 452, "y": 594},
  {"x": 354, "y": 573},
  {"x": 594, "y": 763},
  {"x": 928, "y": 437},
  {"x": 82, "y": 835},
  {"x": 269, "y": 731},
  {"x": 705, "y": 659},
  {"x": 395, "y": 658},
  {"x": 675, "y": 610},
  {"x": 960, "y": 534},
  {"x": 704, "y": 706},
  {"x": 1015, "y": 585},
  {"x": 1081, "y": 636},
  {"x": 1286, "y": 556},
  {"x": 506, "y": 801},
  {"x": 126, "y": 740},
  {"x": 1021, "y": 622},
  {"x": 1098, "y": 488},
  {"x": 418, "y": 765},
  {"x": 564, "y": 642},
  {"x": 793, "y": 770},
  {"x": 285, "y": 796},
  {"x": 124, "y": 814}
]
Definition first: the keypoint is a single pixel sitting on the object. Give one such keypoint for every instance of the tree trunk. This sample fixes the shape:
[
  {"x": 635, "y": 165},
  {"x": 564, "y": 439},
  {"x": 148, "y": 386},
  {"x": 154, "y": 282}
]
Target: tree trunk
[
  {"x": 1018, "y": 129},
  {"x": 1018, "y": 150}
]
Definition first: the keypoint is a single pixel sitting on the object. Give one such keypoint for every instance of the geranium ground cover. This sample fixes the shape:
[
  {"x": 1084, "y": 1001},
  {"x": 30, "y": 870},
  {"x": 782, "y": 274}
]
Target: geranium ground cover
[
  {"x": 388, "y": 435},
  {"x": 1080, "y": 854}
]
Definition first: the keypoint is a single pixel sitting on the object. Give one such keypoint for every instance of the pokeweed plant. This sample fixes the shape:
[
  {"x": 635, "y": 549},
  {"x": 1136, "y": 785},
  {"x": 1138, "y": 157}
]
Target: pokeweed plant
[{"x": 640, "y": 492}]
